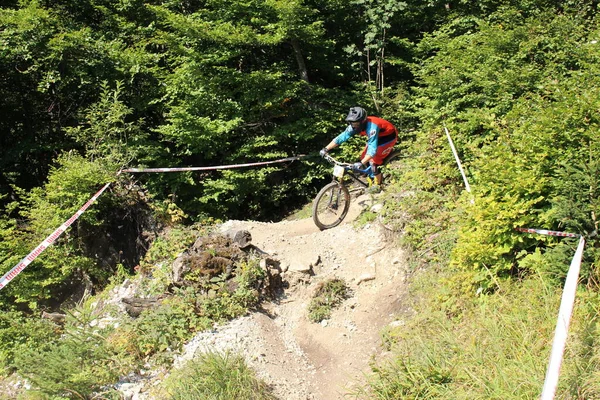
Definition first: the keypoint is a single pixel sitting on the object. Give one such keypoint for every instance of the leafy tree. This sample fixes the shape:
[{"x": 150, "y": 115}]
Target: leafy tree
[
  {"x": 54, "y": 61},
  {"x": 46, "y": 208},
  {"x": 296, "y": 24},
  {"x": 105, "y": 133},
  {"x": 79, "y": 364},
  {"x": 501, "y": 86}
]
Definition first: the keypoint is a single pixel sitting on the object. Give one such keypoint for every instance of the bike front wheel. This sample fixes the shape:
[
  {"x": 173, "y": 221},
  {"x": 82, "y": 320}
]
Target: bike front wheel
[{"x": 331, "y": 205}]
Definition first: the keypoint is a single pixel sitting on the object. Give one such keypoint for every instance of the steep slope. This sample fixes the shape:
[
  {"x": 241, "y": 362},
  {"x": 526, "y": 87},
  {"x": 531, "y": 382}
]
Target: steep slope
[{"x": 299, "y": 358}]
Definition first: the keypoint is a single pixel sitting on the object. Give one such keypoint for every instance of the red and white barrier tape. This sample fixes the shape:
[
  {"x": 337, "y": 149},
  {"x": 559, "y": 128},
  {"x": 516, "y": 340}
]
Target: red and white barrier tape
[
  {"x": 548, "y": 233},
  {"x": 211, "y": 168},
  {"x": 16, "y": 270}
]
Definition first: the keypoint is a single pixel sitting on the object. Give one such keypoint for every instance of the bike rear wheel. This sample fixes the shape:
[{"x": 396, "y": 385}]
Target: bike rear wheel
[{"x": 331, "y": 205}]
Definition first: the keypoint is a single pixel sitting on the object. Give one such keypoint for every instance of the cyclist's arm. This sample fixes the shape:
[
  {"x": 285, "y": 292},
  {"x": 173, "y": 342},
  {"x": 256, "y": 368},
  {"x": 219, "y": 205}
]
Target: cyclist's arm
[
  {"x": 344, "y": 136},
  {"x": 341, "y": 138},
  {"x": 372, "y": 136}
]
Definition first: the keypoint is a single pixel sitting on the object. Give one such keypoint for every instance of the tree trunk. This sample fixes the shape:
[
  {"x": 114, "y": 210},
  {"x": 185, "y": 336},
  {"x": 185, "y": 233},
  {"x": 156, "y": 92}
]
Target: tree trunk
[{"x": 300, "y": 60}]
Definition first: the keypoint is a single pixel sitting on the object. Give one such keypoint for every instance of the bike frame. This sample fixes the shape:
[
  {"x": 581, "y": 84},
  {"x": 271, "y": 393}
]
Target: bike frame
[
  {"x": 349, "y": 171},
  {"x": 332, "y": 203}
]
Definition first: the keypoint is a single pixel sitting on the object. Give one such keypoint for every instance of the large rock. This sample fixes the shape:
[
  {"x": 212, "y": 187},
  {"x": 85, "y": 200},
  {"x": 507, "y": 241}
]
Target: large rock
[
  {"x": 211, "y": 256},
  {"x": 135, "y": 305},
  {"x": 240, "y": 238}
]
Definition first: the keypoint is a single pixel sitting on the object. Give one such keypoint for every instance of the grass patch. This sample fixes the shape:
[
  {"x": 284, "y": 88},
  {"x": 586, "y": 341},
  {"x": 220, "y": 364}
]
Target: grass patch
[
  {"x": 366, "y": 217},
  {"x": 497, "y": 348},
  {"x": 329, "y": 294},
  {"x": 218, "y": 377},
  {"x": 302, "y": 213}
]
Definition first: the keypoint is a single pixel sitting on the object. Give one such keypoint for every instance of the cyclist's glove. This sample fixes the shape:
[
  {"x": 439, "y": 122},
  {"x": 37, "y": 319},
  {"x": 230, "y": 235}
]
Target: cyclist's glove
[
  {"x": 323, "y": 152},
  {"x": 358, "y": 166}
]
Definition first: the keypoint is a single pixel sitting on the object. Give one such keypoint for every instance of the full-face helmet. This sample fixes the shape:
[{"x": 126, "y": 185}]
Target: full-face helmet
[{"x": 356, "y": 114}]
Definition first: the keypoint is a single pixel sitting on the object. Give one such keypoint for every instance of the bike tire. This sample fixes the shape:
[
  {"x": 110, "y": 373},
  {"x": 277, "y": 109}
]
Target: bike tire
[
  {"x": 331, "y": 205},
  {"x": 392, "y": 161}
]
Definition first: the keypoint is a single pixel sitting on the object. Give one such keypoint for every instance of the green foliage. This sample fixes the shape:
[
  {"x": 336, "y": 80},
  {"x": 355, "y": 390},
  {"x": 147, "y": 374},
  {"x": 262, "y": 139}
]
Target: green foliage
[
  {"x": 94, "y": 349},
  {"x": 379, "y": 16},
  {"x": 423, "y": 209},
  {"x": 496, "y": 349},
  {"x": 55, "y": 60},
  {"x": 161, "y": 330},
  {"x": 302, "y": 213},
  {"x": 19, "y": 333},
  {"x": 224, "y": 303},
  {"x": 365, "y": 218},
  {"x": 215, "y": 376},
  {"x": 70, "y": 185},
  {"x": 500, "y": 88},
  {"x": 156, "y": 264},
  {"x": 296, "y": 21},
  {"x": 106, "y": 133},
  {"x": 164, "y": 328},
  {"x": 328, "y": 295},
  {"x": 77, "y": 364},
  {"x": 169, "y": 245},
  {"x": 69, "y": 369},
  {"x": 549, "y": 182}
]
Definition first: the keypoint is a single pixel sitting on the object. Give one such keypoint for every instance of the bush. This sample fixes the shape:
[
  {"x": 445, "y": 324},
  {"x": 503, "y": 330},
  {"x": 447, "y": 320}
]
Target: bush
[
  {"x": 70, "y": 368},
  {"x": 161, "y": 330},
  {"x": 78, "y": 364},
  {"x": 164, "y": 328},
  {"x": 231, "y": 302},
  {"x": 18, "y": 332},
  {"x": 328, "y": 295},
  {"x": 218, "y": 377},
  {"x": 498, "y": 348}
]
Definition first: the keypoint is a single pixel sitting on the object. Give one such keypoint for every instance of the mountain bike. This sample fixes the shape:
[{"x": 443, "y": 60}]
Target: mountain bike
[{"x": 332, "y": 203}]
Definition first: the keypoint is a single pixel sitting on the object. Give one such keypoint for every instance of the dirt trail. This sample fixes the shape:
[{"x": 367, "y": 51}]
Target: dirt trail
[{"x": 301, "y": 359}]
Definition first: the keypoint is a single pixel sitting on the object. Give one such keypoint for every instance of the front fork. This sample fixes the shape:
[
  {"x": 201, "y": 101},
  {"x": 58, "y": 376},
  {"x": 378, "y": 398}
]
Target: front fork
[{"x": 334, "y": 200}]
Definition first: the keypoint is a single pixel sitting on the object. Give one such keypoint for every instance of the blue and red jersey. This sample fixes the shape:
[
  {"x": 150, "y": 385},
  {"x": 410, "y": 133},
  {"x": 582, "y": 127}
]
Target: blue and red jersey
[{"x": 381, "y": 136}]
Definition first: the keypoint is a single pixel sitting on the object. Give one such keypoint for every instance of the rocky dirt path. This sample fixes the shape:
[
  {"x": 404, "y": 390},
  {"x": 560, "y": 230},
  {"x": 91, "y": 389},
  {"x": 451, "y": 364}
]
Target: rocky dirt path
[{"x": 301, "y": 359}]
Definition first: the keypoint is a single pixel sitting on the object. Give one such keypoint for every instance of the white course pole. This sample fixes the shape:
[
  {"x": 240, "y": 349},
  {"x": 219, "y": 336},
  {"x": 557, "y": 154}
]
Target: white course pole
[
  {"x": 562, "y": 324},
  {"x": 462, "y": 172}
]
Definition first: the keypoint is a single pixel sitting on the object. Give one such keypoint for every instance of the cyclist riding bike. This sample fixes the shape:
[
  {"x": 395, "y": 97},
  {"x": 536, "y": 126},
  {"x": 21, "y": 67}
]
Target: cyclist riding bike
[{"x": 381, "y": 138}]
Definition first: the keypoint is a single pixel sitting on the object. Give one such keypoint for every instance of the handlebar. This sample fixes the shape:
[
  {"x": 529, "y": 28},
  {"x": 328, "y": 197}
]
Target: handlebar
[
  {"x": 347, "y": 166},
  {"x": 333, "y": 161}
]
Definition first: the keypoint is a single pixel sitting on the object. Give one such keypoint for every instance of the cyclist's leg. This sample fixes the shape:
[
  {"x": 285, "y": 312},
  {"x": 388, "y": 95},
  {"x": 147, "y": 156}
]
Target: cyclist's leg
[
  {"x": 382, "y": 152},
  {"x": 376, "y": 161}
]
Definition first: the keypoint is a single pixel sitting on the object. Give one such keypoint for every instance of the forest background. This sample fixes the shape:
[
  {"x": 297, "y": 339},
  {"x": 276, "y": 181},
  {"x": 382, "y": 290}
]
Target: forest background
[{"x": 90, "y": 87}]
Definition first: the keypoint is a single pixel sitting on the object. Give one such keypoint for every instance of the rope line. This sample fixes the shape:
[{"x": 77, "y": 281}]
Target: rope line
[
  {"x": 564, "y": 313},
  {"x": 562, "y": 325},
  {"x": 460, "y": 167},
  {"x": 212, "y": 168}
]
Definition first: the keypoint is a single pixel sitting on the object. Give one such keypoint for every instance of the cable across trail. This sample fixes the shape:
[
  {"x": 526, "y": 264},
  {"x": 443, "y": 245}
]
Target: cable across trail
[{"x": 301, "y": 359}]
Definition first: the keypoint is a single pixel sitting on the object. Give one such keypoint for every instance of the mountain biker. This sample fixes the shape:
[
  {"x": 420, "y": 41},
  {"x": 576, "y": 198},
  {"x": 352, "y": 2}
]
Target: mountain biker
[{"x": 381, "y": 138}]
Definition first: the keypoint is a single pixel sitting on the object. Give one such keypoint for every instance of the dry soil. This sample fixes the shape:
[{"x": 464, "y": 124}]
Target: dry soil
[{"x": 301, "y": 359}]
